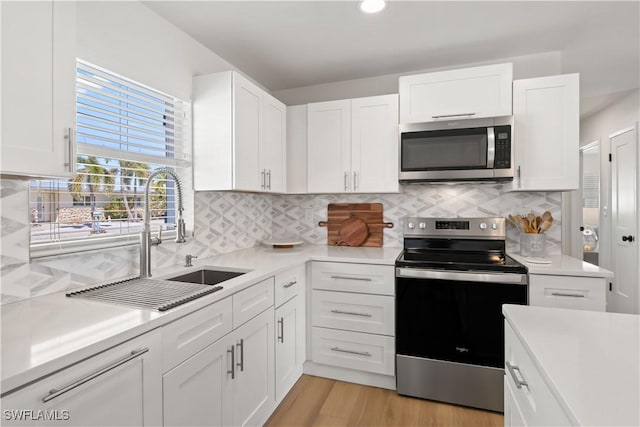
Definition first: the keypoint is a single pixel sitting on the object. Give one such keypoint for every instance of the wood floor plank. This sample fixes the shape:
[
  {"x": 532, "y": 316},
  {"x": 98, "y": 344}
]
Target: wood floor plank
[{"x": 321, "y": 402}]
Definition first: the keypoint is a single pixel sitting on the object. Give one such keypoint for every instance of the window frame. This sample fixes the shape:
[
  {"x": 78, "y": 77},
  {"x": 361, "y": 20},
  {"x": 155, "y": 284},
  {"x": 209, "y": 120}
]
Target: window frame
[{"x": 181, "y": 165}]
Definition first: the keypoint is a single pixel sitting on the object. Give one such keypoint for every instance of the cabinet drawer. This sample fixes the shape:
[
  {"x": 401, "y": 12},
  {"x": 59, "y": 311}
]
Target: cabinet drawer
[
  {"x": 582, "y": 293},
  {"x": 252, "y": 301},
  {"x": 353, "y": 312},
  {"x": 537, "y": 404},
  {"x": 363, "y": 278},
  {"x": 353, "y": 350},
  {"x": 185, "y": 337},
  {"x": 120, "y": 386},
  {"x": 289, "y": 284}
]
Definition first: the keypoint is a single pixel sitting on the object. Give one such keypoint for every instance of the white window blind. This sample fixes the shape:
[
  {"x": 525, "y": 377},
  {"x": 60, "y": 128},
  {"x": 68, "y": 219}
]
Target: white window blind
[{"x": 124, "y": 130}]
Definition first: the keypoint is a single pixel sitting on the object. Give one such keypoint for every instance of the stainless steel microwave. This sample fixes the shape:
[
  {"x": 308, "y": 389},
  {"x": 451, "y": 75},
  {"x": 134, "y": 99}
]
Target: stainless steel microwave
[{"x": 470, "y": 154}]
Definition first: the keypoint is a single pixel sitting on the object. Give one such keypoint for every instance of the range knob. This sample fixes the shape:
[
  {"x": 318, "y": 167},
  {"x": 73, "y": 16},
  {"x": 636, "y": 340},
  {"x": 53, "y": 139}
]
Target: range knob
[
  {"x": 494, "y": 226},
  {"x": 411, "y": 225},
  {"x": 422, "y": 225},
  {"x": 483, "y": 226}
]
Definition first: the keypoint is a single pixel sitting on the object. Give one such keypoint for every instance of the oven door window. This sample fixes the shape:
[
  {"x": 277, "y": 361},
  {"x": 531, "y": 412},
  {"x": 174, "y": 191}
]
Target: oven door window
[
  {"x": 457, "y": 149},
  {"x": 453, "y": 321}
]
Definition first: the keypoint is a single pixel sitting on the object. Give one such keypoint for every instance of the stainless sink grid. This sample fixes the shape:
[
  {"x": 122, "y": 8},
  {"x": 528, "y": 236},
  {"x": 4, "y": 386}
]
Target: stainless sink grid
[{"x": 146, "y": 293}]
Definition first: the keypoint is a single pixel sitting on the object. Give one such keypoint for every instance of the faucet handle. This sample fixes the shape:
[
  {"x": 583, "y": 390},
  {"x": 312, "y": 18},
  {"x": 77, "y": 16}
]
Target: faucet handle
[
  {"x": 157, "y": 240},
  {"x": 187, "y": 260}
]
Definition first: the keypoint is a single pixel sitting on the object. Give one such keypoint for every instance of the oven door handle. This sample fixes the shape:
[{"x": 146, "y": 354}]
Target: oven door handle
[{"x": 466, "y": 276}]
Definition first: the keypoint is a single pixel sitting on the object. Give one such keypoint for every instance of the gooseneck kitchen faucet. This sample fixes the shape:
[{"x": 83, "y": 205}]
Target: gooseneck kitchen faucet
[{"x": 145, "y": 236}]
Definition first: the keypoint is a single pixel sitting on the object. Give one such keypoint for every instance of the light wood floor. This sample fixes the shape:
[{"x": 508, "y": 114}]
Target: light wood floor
[{"x": 316, "y": 401}]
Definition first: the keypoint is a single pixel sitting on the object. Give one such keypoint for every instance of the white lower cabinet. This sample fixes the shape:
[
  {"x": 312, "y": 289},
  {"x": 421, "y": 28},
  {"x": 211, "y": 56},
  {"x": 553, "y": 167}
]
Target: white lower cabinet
[
  {"x": 353, "y": 320},
  {"x": 253, "y": 385},
  {"x": 528, "y": 399},
  {"x": 198, "y": 391},
  {"x": 230, "y": 382},
  {"x": 290, "y": 344},
  {"x": 118, "y": 387},
  {"x": 580, "y": 293}
]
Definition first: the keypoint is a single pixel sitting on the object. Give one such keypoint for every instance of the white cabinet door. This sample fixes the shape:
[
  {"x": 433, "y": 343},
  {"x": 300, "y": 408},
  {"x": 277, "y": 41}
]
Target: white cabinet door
[
  {"x": 119, "y": 387},
  {"x": 546, "y": 116},
  {"x": 198, "y": 391},
  {"x": 290, "y": 344},
  {"x": 467, "y": 93},
  {"x": 512, "y": 415},
  {"x": 273, "y": 144},
  {"x": 38, "y": 88},
  {"x": 253, "y": 386},
  {"x": 374, "y": 144},
  {"x": 328, "y": 147},
  {"x": 247, "y": 134}
]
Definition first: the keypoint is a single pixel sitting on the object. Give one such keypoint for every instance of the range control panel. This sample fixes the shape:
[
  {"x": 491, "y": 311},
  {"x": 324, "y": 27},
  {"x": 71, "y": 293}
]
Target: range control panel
[{"x": 461, "y": 228}]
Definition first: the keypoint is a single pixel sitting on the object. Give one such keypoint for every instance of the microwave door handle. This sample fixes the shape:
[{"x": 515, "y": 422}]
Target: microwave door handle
[{"x": 491, "y": 148}]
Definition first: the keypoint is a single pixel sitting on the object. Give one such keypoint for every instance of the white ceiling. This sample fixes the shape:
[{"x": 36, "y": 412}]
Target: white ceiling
[{"x": 289, "y": 44}]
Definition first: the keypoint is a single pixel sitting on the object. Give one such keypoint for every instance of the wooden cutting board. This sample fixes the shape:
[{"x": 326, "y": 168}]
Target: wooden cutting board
[{"x": 370, "y": 213}]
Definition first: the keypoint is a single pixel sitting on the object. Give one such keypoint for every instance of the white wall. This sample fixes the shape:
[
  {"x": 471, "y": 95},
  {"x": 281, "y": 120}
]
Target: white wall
[
  {"x": 128, "y": 38},
  {"x": 537, "y": 65}
]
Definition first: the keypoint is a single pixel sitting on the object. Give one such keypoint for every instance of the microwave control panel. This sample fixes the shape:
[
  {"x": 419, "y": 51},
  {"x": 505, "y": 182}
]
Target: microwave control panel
[{"x": 503, "y": 147}]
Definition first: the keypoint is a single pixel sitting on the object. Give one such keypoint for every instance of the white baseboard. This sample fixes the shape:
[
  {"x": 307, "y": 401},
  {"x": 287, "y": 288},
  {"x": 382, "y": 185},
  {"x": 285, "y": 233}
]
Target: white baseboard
[{"x": 350, "y": 375}]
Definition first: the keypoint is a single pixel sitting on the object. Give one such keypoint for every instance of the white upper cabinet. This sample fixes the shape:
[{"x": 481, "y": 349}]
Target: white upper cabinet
[
  {"x": 329, "y": 146},
  {"x": 546, "y": 114},
  {"x": 352, "y": 145},
  {"x": 374, "y": 144},
  {"x": 273, "y": 144},
  {"x": 38, "y": 88},
  {"x": 467, "y": 93},
  {"x": 239, "y": 134}
]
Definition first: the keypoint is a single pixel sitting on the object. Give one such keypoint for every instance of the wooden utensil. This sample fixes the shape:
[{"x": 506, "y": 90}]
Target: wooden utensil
[
  {"x": 353, "y": 232},
  {"x": 545, "y": 225}
]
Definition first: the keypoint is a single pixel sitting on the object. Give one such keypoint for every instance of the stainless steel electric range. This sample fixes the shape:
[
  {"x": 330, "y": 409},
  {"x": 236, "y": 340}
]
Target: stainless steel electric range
[{"x": 451, "y": 281}]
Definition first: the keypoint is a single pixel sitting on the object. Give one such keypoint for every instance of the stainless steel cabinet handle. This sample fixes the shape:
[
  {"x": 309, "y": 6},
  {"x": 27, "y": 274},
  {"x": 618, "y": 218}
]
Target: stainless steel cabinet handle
[
  {"x": 290, "y": 284},
  {"x": 346, "y": 181},
  {"x": 281, "y": 324},
  {"x": 351, "y": 313},
  {"x": 263, "y": 179},
  {"x": 362, "y": 279},
  {"x": 516, "y": 379},
  {"x": 70, "y": 149},
  {"x": 359, "y": 353},
  {"x": 442, "y": 116},
  {"x": 518, "y": 175},
  {"x": 53, "y": 393},
  {"x": 241, "y": 364},
  {"x": 355, "y": 181},
  {"x": 562, "y": 294},
  {"x": 232, "y": 350},
  {"x": 269, "y": 179}
]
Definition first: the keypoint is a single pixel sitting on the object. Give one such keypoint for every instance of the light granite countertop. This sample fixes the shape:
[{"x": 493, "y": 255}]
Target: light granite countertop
[
  {"x": 590, "y": 360},
  {"x": 47, "y": 333}
]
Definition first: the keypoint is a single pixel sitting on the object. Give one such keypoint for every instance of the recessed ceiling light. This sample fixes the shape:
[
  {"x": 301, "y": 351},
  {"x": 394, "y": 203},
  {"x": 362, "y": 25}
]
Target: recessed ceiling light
[{"x": 372, "y": 6}]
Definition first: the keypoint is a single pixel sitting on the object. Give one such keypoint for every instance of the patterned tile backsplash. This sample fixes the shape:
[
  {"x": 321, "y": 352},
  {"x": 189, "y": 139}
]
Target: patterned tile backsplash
[{"x": 226, "y": 221}]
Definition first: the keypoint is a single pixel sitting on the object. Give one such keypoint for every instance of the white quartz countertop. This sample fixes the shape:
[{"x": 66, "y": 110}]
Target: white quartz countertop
[
  {"x": 47, "y": 333},
  {"x": 590, "y": 360},
  {"x": 563, "y": 265}
]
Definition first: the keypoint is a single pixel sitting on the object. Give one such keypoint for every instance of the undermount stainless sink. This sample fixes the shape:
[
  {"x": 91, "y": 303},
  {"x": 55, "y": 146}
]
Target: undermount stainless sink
[{"x": 206, "y": 276}]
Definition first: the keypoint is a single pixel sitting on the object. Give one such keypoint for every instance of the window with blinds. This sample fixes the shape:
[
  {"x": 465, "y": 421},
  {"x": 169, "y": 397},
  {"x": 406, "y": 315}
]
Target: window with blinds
[{"x": 124, "y": 131}]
